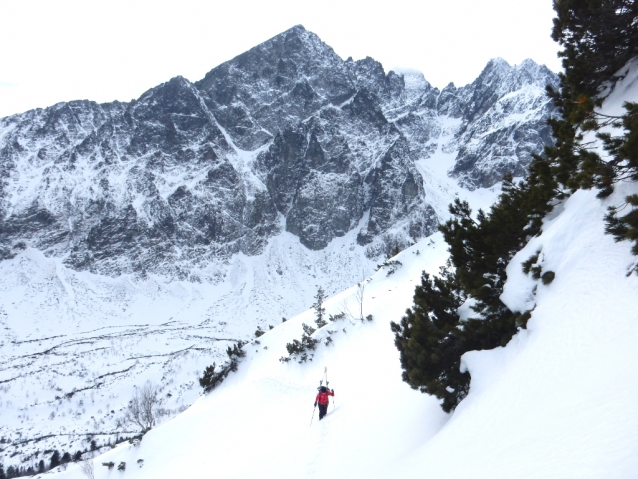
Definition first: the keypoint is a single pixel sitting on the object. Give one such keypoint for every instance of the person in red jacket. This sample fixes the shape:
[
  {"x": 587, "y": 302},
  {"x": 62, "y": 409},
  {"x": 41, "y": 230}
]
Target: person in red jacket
[{"x": 322, "y": 399}]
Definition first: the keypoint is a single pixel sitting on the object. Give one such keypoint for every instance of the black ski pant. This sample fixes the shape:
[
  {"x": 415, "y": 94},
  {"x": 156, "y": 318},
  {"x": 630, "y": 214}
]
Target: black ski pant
[{"x": 323, "y": 410}]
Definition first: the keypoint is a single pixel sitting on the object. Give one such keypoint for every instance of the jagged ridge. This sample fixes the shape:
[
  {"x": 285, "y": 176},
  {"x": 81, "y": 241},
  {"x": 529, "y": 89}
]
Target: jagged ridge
[{"x": 287, "y": 135}]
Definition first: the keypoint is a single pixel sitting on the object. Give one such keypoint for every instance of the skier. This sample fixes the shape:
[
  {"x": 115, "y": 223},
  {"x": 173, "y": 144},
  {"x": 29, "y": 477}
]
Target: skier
[{"x": 322, "y": 399}]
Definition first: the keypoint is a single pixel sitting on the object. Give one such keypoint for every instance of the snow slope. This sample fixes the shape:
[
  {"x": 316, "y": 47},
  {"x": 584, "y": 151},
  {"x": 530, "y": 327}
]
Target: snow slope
[
  {"x": 557, "y": 402},
  {"x": 196, "y": 201},
  {"x": 256, "y": 424},
  {"x": 75, "y": 344}
]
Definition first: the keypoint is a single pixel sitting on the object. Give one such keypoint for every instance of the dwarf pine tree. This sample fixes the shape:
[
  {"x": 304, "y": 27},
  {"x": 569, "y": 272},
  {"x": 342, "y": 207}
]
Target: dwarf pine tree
[
  {"x": 320, "y": 311},
  {"x": 598, "y": 38},
  {"x": 428, "y": 340},
  {"x": 431, "y": 336},
  {"x": 622, "y": 220},
  {"x": 55, "y": 459},
  {"x": 210, "y": 378},
  {"x": 213, "y": 377}
]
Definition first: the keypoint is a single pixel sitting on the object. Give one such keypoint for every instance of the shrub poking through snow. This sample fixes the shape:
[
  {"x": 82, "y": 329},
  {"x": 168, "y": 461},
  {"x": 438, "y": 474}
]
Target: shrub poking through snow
[
  {"x": 108, "y": 465},
  {"x": 320, "y": 311},
  {"x": 391, "y": 266},
  {"x": 548, "y": 277},
  {"x": 212, "y": 377},
  {"x": 300, "y": 349},
  {"x": 86, "y": 466},
  {"x": 536, "y": 271},
  {"x": 359, "y": 295},
  {"x": 531, "y": 261},
  {"x": 521, "y": 319}
]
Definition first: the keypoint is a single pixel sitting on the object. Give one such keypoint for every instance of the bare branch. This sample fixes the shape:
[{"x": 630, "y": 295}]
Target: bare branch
[
  {"x": 143, "y": 408},
  {"x": 87, "y": 468}
]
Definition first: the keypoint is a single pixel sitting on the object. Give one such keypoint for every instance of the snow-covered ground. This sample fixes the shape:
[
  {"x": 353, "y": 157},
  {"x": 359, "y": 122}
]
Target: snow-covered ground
[
  {"x": 76, "y": 344},
  {"x": 257, "y": 423},
  {"x": 557, "y": 402}
]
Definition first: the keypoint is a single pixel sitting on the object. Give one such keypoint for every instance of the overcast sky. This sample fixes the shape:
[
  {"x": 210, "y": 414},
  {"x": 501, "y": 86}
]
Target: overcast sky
[{"x": 60, "y": 50}]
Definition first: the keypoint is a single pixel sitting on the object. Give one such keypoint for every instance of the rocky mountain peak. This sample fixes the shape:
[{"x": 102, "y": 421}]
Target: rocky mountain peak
[
  {"x": 286, "y": 135},
  {"x": 414, "y": 80},
  {"x": 275, "y": 66}
]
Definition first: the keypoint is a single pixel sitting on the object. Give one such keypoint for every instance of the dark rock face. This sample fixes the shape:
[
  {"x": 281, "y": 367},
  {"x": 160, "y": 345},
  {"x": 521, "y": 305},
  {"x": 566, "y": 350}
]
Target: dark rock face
[
  {"x": 285, "y": 135},
  {"x": 504, "y": 122}
]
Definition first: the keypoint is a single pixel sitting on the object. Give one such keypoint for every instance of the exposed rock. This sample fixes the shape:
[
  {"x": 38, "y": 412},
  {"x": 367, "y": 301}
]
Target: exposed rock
[{"x": 190, "y": 173}]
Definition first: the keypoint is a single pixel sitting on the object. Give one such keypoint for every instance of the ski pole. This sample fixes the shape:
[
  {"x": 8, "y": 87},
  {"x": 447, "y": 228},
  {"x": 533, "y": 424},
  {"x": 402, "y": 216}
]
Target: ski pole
[{"x": 313, "y": 414}]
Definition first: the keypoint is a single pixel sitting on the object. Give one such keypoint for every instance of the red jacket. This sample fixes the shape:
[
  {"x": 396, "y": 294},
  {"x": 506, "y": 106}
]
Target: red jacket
[{"x": 322, "y": 398}]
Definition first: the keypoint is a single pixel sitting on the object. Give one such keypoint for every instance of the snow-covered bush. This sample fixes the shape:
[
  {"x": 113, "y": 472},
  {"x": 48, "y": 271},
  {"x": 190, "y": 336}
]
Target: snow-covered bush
[
  {"x": 320, "y": 311},
  {"x": 299, "y": 349},
  {"x": 212, "y": 377}
]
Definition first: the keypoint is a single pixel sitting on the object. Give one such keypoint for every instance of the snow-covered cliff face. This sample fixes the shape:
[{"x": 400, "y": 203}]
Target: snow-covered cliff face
[{"x": 287, "y": 136}]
